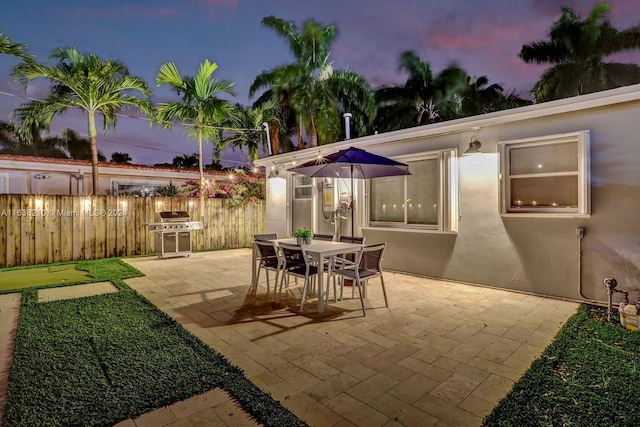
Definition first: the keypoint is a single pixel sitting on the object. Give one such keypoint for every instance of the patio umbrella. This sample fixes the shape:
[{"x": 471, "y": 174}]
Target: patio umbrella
[{"x": 352, "y": 163}]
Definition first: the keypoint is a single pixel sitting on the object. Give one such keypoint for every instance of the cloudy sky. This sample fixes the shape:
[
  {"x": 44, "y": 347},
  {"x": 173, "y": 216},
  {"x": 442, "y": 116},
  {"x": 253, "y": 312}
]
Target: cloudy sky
[{"x": 483, "y": 36}]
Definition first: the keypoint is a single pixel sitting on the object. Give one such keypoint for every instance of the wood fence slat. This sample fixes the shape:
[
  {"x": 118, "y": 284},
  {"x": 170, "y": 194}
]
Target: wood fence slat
[
  {"x": 5, "y": 214},
  {"x": 14, "y": 236}
]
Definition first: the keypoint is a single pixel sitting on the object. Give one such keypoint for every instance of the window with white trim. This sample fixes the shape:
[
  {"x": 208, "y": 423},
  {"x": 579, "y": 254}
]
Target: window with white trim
[
  {"x": 302, "y": 186},
  {"x": 545, "y": 176},
  {"x": 426, "y": 199}
]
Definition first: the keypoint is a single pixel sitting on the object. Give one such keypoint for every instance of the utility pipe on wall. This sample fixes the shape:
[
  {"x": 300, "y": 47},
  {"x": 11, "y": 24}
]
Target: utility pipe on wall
[
  {"x": 347, "y": 125},
  {"x": 580, "y": 235}
]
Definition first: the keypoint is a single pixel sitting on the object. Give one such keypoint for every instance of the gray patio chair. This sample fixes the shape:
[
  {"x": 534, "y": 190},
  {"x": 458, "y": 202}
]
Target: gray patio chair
[
  {"x": 269, "y": 260},
  {"x": 366, "y": 265},
  {"x": 296, "y": 263},
  {"x": 327, "y": 237},
  {"x": 336, "y": 261},
  {"x": 267, "y": 236}
]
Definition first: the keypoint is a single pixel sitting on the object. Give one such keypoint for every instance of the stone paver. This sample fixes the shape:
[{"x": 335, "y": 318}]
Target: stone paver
[
  {"x": 443, "y": 353},
  {"x": 76, "y": 291}
]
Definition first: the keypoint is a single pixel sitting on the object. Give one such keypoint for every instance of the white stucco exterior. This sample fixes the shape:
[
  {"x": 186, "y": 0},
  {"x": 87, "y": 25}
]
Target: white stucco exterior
[{"x": 536, "y": 254}]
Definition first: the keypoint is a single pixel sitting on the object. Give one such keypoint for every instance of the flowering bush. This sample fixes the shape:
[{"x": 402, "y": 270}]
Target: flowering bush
[{"x": 239, "y": 189}]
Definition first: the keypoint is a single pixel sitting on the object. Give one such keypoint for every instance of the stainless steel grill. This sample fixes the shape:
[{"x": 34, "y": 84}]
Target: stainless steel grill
[{"x": 173, "y": 233}]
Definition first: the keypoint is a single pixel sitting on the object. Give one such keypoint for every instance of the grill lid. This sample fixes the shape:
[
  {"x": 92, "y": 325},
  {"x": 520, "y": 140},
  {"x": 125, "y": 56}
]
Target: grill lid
[{"x": 174, "y": 215}]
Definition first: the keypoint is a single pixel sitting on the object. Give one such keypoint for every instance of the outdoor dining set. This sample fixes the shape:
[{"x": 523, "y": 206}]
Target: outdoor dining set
[{"x": 347, "y": 260}]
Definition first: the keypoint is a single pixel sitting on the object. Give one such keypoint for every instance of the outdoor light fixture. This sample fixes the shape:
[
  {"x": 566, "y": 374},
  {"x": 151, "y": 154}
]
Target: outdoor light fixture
[
  {"x": 274, "y": 173},
  {"x": 474, "y": 147}
]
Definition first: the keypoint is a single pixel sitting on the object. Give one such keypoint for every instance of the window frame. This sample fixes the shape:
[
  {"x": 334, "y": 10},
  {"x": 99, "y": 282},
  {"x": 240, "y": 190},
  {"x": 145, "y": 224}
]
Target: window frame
[
  {"x": 154, "y": 185},
  {"x": 4, "y": 183},
  {"x": 448, "y": 199},
  {"x": 583, "y": 209},
  {"x": 296, "y": 185}
]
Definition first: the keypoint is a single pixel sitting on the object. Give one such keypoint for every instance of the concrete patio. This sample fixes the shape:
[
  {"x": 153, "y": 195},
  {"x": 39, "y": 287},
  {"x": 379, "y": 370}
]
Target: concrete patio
[{"x": 443, "y": 353}]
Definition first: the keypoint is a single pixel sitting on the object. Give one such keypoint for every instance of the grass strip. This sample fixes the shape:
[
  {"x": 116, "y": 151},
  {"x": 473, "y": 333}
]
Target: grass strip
[
  {"x": 588, "y": 376},
  {"x": 98, "y": 360}
]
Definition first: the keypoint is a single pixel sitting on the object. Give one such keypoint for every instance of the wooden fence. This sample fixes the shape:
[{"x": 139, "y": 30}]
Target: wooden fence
[{"x": 44, "y": 229}]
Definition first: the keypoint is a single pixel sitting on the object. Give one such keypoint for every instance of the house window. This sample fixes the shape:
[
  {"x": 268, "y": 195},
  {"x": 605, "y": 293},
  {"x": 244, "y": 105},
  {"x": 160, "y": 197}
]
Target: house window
[
  {"x": 138, "y": 188},
  {"x": 545, "y": 176},
  {"x": 301, "y": 187},
  {"x": 4, "y": 183},
  {"x": 425, "y": 199}
]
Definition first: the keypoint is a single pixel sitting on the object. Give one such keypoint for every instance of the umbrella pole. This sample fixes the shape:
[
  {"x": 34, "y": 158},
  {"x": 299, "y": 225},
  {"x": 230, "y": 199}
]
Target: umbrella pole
[{"x": 353, "y": 205}]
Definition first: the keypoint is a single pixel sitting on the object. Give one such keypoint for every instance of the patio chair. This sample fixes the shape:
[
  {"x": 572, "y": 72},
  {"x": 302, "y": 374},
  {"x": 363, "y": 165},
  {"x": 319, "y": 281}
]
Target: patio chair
[
  {"x": 296, "y": 263},
  {"x": 327, "y": 237},
  {"x": 352, "y": 239},
  {"x": 267, "y": 236},
  {"x": 263, "y": 237},
  {"x": 268, "y": 261},
  {"x": 336, "y": 261},
  {"x": 367, "y": 264}
]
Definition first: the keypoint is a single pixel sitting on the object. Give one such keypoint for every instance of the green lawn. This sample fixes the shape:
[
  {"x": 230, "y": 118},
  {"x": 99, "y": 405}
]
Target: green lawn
[
  {"x": 588, "y": 376},
  {"x": 38, "y": 276},
  {"x": 96, "y": 361}
]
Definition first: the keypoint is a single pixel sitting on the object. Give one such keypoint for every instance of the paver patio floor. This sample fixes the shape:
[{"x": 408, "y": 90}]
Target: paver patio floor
[{"x": 443, "y": 353}]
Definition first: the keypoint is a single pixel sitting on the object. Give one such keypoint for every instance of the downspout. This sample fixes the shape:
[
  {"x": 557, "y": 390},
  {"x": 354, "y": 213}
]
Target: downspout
[
  {"x": 80, "y": 182},
  {"x": 266, "y": 128}
]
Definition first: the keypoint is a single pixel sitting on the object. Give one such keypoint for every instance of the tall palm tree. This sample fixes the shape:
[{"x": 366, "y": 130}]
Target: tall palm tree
[
  {"x": 201, "y": 110},
  {"x": 185, "y": 161},
  {"x": 8, "y": 47},
  {"x": 250, "y": 134},
  {"x": 11, "y": 142},
  {"x": 79, "y": 147},
  {"x": 121, "y": 158},
  {"x": 86, "y": 82},
  {"x": 424, "y": 98},
  {"x": 576, "y": 50},
  {"x": 480, "y": 97},
  {"x": 310, "y": 89}
]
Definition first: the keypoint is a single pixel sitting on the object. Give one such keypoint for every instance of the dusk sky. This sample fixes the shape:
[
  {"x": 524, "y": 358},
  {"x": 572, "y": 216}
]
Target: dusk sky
[{"x": 483, "y": 36}]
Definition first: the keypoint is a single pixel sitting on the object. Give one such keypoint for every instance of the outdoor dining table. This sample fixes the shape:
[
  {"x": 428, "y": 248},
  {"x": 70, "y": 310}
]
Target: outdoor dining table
[{"x": 319, "y": 251}]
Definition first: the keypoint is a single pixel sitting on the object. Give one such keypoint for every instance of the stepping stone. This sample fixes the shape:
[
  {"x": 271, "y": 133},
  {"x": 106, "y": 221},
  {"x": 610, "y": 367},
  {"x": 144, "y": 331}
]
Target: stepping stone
[{"x": 76, "y": 291}]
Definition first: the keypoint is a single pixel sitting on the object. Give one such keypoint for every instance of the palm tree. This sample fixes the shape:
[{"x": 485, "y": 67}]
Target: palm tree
[
  {"x": 310, "y": 90},
  {"x": 576, "y": 50},
  {"x": 78, "y": 147},
  {"x": 250, "y": 133},
  {"x": 480, "y": 97},
  {"x": 185, "y": 161},
  {"x": 15, "y": 49},
  {"x": 121, "y": 158},
  {"x": 86, "y": 82},
  {"x": 11, "y": 142},
  {"x": 424, "y": 98},
  {"x": 202, "y": 112}
]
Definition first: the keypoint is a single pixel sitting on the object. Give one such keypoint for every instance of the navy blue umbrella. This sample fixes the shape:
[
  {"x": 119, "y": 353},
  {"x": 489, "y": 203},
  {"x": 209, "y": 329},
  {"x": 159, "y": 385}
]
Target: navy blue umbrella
[{"x": 352, "y": 163}]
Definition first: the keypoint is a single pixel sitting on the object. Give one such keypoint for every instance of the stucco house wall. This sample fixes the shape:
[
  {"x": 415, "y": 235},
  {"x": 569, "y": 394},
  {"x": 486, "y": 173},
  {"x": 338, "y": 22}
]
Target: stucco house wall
[{"x": 540, "y": 255}]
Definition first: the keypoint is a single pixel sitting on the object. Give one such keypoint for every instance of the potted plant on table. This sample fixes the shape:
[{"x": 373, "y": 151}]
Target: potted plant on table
[{"x": 303, "y": 236}]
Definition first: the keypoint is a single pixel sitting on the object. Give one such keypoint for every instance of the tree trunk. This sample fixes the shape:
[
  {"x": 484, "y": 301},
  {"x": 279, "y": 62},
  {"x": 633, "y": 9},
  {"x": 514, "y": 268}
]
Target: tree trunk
[
  {"x": 275, "y": 137},
  {"x": 313, "y": 135},
  {"x": 201, "y": 167},
  {"x": 94, "y": 152}
]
